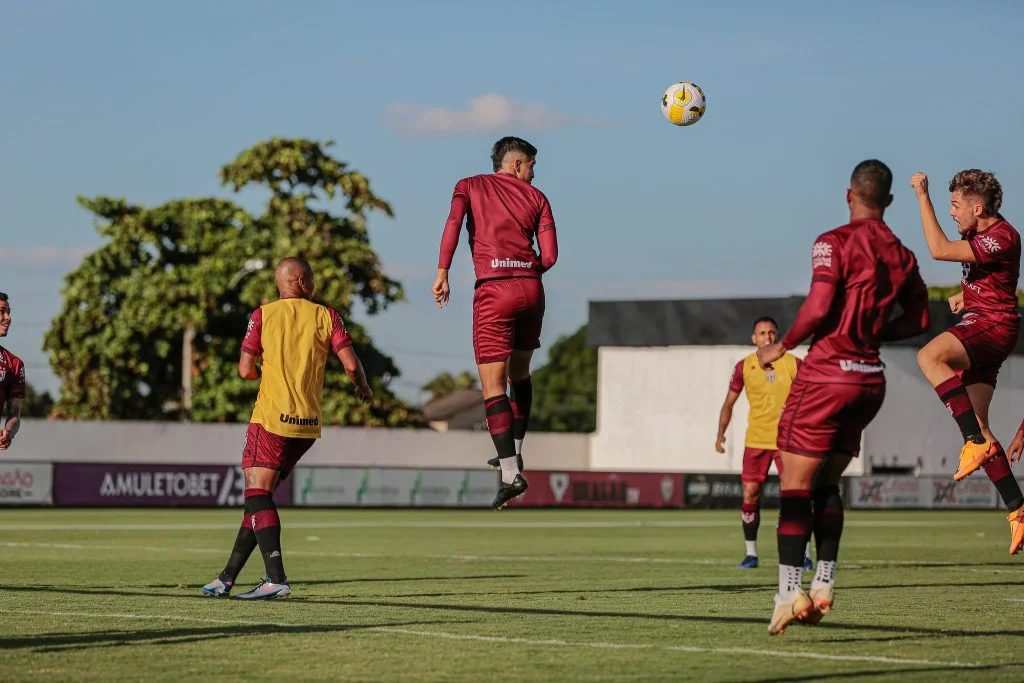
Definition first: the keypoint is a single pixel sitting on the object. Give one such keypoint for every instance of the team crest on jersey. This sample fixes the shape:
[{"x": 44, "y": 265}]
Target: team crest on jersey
[
  {"x": 821, "y": 255},
  {"x": 989, "y": 244},
  {"x": 769, "y": 374}
]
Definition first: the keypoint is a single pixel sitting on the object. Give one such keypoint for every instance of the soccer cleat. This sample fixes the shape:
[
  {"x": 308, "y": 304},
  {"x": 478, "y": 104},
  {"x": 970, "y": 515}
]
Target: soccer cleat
[
  {"x": 822, "y": 599},
  {"x": 266, "y": 591},
  {"x": 973, "y": 456},
  {"x": 1016, "y": 520},
  {"x": 808, "y": 564},
  {"x": 495, "y": 464},
  {"x": 217, "y": 589},
  {"x": 787, "y": 612},
  {"x": 749, "y": 562},
  {"x": 507, "y": 492}
]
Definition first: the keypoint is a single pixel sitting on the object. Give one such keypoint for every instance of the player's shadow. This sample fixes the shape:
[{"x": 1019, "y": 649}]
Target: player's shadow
[
  {"x": 505, "y": 610},
  {"x": 891, "y": 671},
  {"x": 63, "y": 642},
  {"x": 375, "y": 579}
]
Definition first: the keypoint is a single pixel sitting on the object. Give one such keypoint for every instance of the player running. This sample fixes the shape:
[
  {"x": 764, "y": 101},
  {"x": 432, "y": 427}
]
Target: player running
[
  {"x": 294, "y": 336},
  {"x": 766, "y": 390},
  {"x": 962, "y": 363},
  {"x": 504, "y": 214},
  {"x": 860, "y": 271},
  {"x": 12, "y": 381}
]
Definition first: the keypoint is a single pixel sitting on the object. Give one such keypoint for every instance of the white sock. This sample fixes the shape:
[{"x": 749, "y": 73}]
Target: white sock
[
  {"x": 789, "y": 581},
  {"x": 826, "y": 574},
  {"x": 509, "y": 469},
  {"x": 751, "y": 547},
  {"x": 519, "y": 446}
]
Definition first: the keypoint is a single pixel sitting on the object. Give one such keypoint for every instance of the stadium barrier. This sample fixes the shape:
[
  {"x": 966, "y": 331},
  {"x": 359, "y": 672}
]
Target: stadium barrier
[{"x": 186, "y": 485}]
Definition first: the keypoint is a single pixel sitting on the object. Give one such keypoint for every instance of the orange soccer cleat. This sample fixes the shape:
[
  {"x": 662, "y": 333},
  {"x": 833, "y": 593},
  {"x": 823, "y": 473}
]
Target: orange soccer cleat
[
  {"x": 1016, "y": 520},
  {"x": 787, "y": 612},
  {"x": 974, "y": 455}
]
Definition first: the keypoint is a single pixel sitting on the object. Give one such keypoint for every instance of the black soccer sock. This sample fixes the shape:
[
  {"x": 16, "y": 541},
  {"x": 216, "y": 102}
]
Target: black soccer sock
[
  {"x": 795, "y": 524},
  {"x": 828, "y": 522},
  {"x": 522, "y": 401},
  {"x": 267, "y": 527},
  {"x": 499, "y": 424},
  {"x": 751, "y": 521},
  {"x": 998, "y": 470},
  {"x": 245, "y": 543}
]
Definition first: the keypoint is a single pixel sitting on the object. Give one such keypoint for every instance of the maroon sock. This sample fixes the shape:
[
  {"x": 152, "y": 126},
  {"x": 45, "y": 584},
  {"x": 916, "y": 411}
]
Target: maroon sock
[
  {"x": 499, "y": 424},
  {"x": 953, "y": 395},
  {"x": 795, "y": 523},
  {"x": 266, "y": 524},
  {"x": 828, "y": 522}
]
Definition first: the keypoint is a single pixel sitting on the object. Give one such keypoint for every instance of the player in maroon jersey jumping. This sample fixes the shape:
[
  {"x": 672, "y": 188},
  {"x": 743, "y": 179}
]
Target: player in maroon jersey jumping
[
  {"x": 860, "y": 271},
  {"x": 504, "y": 214},
  {"x": 962, "y": 363},
  {"x": 12, "y": 381}
]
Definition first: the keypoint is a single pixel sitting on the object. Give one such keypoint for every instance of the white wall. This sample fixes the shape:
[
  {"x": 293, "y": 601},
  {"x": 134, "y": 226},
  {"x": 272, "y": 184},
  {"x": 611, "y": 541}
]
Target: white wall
[
  {"x": 658, "y": 410},
  {"x": 219, "y": 444}
]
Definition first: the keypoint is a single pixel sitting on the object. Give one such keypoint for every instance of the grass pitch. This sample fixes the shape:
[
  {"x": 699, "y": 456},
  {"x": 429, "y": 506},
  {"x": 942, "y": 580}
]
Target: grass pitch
[{"x": 520, "y": 595}]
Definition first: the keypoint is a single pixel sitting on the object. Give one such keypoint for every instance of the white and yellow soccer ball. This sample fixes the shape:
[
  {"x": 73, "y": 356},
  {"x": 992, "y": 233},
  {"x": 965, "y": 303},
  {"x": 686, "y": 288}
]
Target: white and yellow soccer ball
[{"x": 683, "y": 103}]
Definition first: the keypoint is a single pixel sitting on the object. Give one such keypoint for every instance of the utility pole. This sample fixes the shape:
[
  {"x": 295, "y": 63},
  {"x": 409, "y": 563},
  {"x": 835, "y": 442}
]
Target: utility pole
[{"x": 186, "y": 371}]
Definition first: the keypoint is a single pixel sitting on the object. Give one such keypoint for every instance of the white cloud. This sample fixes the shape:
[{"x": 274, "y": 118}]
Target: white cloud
[
  {"x": 42, "y": 256},
  {"x": 492, "y": 112}
]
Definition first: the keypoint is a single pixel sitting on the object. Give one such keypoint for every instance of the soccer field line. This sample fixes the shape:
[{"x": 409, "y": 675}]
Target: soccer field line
[
  {"x": 670, "y": 524},
  {"x": 695, "y": 649},
  {"x": 635, "y": 559}
]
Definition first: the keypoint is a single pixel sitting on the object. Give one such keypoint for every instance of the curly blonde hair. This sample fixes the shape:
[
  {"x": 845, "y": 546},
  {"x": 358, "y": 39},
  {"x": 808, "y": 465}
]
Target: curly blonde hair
[{"x": 980, "y": 185}]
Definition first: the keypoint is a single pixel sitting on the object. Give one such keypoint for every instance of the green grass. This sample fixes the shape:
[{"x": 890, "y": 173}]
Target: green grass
[{"x": 519, "y": 595}]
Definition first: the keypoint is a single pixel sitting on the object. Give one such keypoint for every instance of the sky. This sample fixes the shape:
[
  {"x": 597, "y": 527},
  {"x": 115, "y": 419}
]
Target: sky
[{"x": 147, "y": 100}]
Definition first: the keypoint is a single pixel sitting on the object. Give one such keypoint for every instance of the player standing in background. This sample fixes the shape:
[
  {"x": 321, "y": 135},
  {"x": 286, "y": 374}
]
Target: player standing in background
[
  {"x": 962, "y": 363},
  {"x": 504, "y": 214},
  {"x": 860, "y": 271},
  {"x": 766, "y": 389},
  {"x": 12, "y": 381},
  {"x": 294, "y": 337}
]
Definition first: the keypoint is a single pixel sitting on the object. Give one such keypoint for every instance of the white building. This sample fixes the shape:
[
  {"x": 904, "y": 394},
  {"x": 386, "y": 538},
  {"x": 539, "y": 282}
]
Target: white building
[{"x": 664, "y": 369}]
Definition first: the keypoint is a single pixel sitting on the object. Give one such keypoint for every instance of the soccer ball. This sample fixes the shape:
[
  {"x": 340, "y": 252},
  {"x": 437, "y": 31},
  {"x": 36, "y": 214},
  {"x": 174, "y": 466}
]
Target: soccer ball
[{"x": 683, "y": 103}]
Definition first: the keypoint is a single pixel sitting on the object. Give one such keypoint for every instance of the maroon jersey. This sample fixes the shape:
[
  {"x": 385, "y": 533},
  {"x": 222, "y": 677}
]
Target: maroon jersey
[
  {"x": 503, "y": 216},
  {"x": 871, "y": 270},
  {"x": 990, "y": 285},
  {"x": 12, "y": 377}
]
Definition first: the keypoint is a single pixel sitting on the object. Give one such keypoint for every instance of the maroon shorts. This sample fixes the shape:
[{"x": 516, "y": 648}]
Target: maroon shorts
[
  {"x": 281, "y": 453},
  {"x": 819, "y": 419},
  {"x": 507, "y": 315},
  {"x": 756, "y": 462},
  {"x": 988, "y": 342}
]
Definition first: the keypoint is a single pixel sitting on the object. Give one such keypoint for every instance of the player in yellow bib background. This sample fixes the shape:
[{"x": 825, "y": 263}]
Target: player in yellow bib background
[
  {"x": 766, "y": 389},
  {"x": 294, "y": 336}
]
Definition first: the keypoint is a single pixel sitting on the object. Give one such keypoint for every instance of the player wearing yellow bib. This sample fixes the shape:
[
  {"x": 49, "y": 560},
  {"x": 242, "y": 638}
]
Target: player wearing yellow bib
[
  {"x": 294, "y": 336},
  {"x": 767, "y": 389}
]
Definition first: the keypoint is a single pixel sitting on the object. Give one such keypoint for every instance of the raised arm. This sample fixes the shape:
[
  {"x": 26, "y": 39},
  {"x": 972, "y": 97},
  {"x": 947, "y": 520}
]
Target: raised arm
[{"x": 939, "y": 246}]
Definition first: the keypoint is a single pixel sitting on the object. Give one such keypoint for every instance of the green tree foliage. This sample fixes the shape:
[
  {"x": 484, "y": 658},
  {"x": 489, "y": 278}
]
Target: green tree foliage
[
  {"x": 36, "y": 404},
  {"x": 446, "y": 383},
  {"x": 565, "y": 389},
  {"x": 117, "y": 343}
]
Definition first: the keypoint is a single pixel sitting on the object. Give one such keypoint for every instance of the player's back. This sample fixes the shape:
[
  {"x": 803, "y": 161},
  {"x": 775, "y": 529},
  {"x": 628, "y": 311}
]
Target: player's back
[
  {"x": 296, "y": 339},
  {"x": 505, "y": 215},
  {"x": 870, "y": 267}
]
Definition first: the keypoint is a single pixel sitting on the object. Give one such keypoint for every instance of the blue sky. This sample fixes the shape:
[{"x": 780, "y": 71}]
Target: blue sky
[{"x": 146, "y": 100}]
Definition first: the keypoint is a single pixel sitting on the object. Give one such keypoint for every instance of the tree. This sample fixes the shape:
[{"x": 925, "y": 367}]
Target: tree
[
  {"x": 445, "y": 383},
  {"x": 35, "y": 404},
  {"x": 117, "y": 343},
  {"x": 565, "y": 389}
]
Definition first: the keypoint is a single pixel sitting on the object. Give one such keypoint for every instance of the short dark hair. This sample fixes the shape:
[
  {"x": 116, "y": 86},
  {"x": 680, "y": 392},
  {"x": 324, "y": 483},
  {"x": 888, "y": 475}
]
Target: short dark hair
[
  {"x": 510, "y": 144},
  {"x": 3, "y": 297},
  {"x": 871, "y": 180},
  {"x": 980, "y": 185},
  {"x": 764, "y": 319}
]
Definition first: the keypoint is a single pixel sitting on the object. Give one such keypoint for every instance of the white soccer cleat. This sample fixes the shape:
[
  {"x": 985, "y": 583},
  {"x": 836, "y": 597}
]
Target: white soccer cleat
[
  {"x": 822, "y": 599},
  {"x": 787, "y": 612},
  {"x": 217, "y": 589},
  {"x": 266, "y": 591}
]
